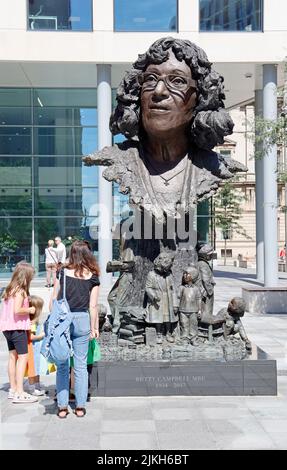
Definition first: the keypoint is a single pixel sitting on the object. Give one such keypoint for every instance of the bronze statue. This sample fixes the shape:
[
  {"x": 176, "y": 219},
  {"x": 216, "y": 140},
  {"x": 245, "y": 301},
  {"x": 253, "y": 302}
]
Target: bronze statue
[
  {"x": 189, "y": 304},
  {"x": 205, "y": 254},
  {"x": 119, "y": 295},
  {"x": 170, "y": 109},
  {"x": 231, "y": 316},
  {"x": 172, "y": 101},
  {"x": 160, "y": 297}
]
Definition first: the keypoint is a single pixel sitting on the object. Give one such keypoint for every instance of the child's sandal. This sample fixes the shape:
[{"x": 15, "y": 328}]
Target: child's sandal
[
  {"x": 81, "y": 410},
  {"x": 64, "y": 412}
]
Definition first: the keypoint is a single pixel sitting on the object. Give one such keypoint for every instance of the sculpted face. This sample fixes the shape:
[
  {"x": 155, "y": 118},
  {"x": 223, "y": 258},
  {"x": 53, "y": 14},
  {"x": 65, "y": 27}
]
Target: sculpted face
[
  {"x": 187, "y": 278},
  {"x": 168, "y": 97},
  {"x": 163, "y": 263}
]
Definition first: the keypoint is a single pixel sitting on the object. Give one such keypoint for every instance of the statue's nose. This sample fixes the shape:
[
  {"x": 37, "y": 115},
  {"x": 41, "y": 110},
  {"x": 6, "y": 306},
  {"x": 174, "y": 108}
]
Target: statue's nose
[{"x": 161, "y": 89}]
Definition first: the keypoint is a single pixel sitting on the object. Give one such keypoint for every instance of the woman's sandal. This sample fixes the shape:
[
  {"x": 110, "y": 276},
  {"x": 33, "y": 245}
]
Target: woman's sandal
[
  {"x": 64, "y": 412},
  {"x": 82, "y": 411}
]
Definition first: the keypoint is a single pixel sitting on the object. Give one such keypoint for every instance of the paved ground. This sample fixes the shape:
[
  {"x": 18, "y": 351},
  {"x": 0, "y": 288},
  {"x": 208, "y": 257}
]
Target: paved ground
[{"x": 163, "y": 423}]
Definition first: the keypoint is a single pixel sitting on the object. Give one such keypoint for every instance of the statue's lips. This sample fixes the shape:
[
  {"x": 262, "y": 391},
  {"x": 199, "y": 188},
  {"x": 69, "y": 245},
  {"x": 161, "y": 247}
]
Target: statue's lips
[{"x": 159, "y": 108}]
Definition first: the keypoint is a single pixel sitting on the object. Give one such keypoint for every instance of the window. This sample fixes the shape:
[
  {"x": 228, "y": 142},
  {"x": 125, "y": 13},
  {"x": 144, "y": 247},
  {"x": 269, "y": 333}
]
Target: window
[
  {"x": 139, "y": 15},
  {"x": 231, "y": 15},
  {"x": 60, "y": 15},
  {"x": 205, "y": 222},
  {"x": 225, "y": 153},
  {"x": 228, "y": 253},
  {"x": 226, "y": 234}
]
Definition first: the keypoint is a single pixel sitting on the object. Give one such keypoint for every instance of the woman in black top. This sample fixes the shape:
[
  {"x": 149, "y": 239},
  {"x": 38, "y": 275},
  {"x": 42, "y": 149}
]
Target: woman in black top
[{"x": 82, "y": 289}]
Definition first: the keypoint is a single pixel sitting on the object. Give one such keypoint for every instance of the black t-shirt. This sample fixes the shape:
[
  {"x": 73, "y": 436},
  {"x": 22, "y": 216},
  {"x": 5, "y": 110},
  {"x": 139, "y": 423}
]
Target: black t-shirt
[{"x": 77, "y": 291}]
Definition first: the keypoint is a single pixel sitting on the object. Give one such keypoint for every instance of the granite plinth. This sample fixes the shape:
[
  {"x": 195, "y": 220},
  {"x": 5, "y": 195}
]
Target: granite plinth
[
  {"x": 255, "y": 375},
  {"x": 265, "y": 300}
]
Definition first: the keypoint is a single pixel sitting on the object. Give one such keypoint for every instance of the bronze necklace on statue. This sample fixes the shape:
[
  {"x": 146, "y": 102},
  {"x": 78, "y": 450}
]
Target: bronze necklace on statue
[{"x": 166, "y": 180}]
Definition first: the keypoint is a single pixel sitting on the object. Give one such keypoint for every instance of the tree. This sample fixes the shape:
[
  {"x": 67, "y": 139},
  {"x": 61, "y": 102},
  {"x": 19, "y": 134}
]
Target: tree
[
  {"x": 227, "y": 212},
  {"x": 8, "y": 245}
]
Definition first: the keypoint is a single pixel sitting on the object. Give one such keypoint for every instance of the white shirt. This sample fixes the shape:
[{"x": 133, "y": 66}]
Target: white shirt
[
  {"x": 61, "y": 253},
  {"x": 51, "y": 256}
]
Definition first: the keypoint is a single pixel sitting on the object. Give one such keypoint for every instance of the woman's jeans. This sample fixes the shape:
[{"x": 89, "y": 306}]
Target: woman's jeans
[{"x": 80, "y": 333}]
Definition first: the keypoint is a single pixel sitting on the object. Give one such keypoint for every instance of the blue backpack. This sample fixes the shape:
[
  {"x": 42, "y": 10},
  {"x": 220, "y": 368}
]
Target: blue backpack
[{"x": 57, "y": 345}]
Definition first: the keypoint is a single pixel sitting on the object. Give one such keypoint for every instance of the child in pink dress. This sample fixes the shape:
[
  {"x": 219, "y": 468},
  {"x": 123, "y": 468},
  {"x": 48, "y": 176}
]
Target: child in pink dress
[{"x": 15, "y": 323}]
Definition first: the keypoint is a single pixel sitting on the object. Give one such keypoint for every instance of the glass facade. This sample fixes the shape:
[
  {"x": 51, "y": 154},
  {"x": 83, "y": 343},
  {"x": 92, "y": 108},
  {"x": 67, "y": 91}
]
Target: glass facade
[
  {"x": 143, "y": 15},
  {"x": 60, "y": 15},
  {"x": 45, "y": 190},
  {"x": 231, "y": 15}
]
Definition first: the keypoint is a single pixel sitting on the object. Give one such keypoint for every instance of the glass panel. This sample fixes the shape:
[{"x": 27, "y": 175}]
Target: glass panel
[
  {"x": 231, "y": 15},
  {"x": 64, "y": 171},
  {"x": 65, "y": 141},
  {"x": 48, "y": 228},
  {"x": 15, "y": 141},
  {"x": 15, "y": 243},
  {"x": 138, "y": 15},
  {"x": 15, "y": 116},
  {"x": 75, "y": 15},
  {"x": 204, "y": 222},
  {"x": 65, "y": 186},
  {"x": 15, "y": 201},
  {"x": 120, "y": 203},
  {"x": 18, "y": 97},
  {"x": 15, "y": 171},
  {"x": 90, "y": 175},
  {"x": 49, "y": 116},
  {"x": 65, "y": 97},
  {"x": 68, "y": 201}
]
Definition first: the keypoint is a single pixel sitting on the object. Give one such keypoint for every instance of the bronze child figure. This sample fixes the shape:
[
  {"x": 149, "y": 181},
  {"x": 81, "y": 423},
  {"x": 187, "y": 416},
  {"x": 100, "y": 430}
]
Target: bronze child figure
[
  {"x": 160, "y": 291},
  {"x": 205, "y": 254},
  {"x": 232, "y": 316},
  {"x": 189, "y": 305},
  {"x": 230, "y": 319}
]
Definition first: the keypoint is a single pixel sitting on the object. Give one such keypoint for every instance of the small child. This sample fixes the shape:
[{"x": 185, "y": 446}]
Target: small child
[
  {"x": 41, "y": 366},
  {"x": 189, "y": 302},
  {"x": 15, "y": 324}
]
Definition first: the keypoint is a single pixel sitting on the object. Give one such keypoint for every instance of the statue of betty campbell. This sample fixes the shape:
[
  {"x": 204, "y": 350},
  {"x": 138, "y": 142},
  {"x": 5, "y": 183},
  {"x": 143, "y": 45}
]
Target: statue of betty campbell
[{"x": 170, "y": 109}]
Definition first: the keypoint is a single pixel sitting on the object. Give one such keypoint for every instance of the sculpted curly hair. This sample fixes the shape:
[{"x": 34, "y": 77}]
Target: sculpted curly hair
[{"x": 210, "y": 123}]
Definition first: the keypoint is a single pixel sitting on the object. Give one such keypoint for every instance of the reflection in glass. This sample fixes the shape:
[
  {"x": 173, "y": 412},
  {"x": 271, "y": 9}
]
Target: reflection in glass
[
  {"x": 63, "y": 171},
  {"x": 15, "y": 141},
  {"x": 65, "y": 97},
  {"x": 75, "y": 15},
  {"x": 15, "y": 97},
  {"x": 204, "y": 223},
  {"x": 15, "y": 201},
  {"x": 15, "y": 243},
  {"x": 231, "y": 15},
  {"x": 15, "y": 171},
  {"x": 66, "y": 201},
  {"x": 52, "y": 116},
  {"x": 15, "y": 116},
  {"x": 138, "y": 15},
  {"x": 64, "y": 141},
  {"x": 45, "y": 182}
]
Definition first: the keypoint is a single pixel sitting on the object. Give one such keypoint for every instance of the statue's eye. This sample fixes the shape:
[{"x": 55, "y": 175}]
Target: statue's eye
[
  {"x": 150, "y": 78},
  {"x": 177, "y": 80}
]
